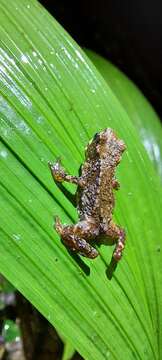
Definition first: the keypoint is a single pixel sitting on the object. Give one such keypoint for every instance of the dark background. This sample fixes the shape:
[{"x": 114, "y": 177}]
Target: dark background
[{"x": 128, "y": 33}]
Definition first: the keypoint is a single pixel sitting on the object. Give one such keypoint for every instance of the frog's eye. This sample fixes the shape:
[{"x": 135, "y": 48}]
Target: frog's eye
[{"x": 95, "y": 136}]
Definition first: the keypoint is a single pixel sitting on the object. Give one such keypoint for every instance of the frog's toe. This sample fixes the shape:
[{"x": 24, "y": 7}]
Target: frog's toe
[
  {"x": 93, "y": 254},
  {"x": 58, "y": 226}
]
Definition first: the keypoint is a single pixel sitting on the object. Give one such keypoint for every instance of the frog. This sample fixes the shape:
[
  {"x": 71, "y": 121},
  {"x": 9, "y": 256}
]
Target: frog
[{"x": 95, "y": 200}]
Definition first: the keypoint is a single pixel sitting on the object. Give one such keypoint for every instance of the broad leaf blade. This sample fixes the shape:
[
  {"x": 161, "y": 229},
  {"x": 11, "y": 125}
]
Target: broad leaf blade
[{"x": 52, "y": 101}]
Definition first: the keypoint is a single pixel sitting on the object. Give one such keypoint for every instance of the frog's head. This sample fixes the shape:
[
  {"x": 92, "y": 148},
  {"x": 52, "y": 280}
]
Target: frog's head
[
  {"x": 110, "y": 146},
  {"x": 106, "y": 145},
  {"x": 91, "y": 150}
]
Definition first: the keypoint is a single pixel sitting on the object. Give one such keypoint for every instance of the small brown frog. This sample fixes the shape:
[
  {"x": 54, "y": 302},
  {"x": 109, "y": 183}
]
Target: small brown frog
[{"x": 94, "y": 196}]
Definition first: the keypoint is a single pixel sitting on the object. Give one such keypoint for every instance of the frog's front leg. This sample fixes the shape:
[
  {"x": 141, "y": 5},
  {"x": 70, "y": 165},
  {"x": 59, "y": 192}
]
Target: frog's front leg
[
  {"x": 117, "y": 234},
  {"x": 74, "y": 237},
  {"x": 59, "y": 174}
]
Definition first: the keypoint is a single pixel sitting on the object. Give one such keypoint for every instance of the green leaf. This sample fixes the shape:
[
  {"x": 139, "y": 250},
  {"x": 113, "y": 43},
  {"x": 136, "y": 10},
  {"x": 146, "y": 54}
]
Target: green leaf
[
  {"x": 52, "y": 102},
  {"x": 6, "y": 287},
  {"x": 10, "y": 331},
  {"x": 69, "y": 351}
]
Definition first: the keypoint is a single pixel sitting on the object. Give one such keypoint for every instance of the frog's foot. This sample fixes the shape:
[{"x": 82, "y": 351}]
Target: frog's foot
[
  {"x": 57, "y": 171},
  {"x": 117, "y": 234},
  {"x": 74, "y": 242},
  {"x": 59, "y": 174},
  {"x": 117, "y": 254}
]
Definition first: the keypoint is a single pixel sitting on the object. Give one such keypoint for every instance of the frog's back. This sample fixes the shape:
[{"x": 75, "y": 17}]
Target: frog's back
[
  {"x": 88, "y": 195},
  {"x": 106, "y": 195},
  {"x": 95, "y": 200}
]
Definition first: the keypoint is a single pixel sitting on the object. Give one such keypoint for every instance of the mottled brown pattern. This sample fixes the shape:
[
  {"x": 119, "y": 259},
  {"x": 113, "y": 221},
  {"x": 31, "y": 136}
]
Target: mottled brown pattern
[
  {"x": 95, "y": 197},
  {"x": 87, "y": 196}
]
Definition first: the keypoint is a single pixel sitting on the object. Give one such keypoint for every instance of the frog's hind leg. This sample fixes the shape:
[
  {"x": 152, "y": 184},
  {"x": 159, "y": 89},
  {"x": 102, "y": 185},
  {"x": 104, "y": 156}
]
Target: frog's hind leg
[
  {"x": 117, "y": 234},
  {"x": 73, "y": 237}
]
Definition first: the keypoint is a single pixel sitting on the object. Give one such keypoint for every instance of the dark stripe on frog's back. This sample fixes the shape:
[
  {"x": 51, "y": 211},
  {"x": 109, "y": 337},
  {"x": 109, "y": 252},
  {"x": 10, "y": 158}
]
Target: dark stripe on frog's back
[{"x": 87, "y": 196}]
